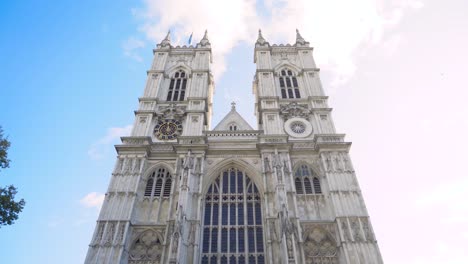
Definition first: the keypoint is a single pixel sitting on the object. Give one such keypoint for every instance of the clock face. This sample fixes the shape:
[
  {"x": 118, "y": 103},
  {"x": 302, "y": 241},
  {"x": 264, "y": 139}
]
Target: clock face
[{"x": 167, "y": 129}]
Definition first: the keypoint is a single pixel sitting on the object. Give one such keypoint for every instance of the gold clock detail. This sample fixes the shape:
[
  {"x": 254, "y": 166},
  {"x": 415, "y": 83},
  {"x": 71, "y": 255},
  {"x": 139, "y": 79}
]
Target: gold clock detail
[{"x": 168, "y": 129}]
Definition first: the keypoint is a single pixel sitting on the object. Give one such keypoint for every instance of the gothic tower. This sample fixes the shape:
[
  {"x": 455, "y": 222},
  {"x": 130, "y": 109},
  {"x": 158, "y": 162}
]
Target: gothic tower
[{"x": 283, "y": 193}]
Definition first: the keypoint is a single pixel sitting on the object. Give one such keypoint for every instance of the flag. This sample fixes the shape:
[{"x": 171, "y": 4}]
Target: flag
[{"x": 190, "y": 39}]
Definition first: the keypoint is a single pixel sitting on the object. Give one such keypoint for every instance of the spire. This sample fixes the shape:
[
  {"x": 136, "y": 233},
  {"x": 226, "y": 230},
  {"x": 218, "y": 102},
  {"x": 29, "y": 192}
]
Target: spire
[
  {"x": 166, "y": 41},
  {"x": 260, "y": 39},
  {"x": 299, "y": 39},
  {"x": 204, "y": 41}
]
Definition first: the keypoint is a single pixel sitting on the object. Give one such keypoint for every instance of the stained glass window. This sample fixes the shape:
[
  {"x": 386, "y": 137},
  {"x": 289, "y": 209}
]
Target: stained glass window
[
  {"x": 177, "y": 87},
  {"x": 306, "y": 182},
  {"x": 159, "y": 184},
  {"x": 288, "y": 85},
  {"x": 237, "y": 237}
]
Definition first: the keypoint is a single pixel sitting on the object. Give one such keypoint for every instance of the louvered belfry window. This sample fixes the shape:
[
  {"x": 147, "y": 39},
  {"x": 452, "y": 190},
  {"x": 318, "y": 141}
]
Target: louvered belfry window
[
  {"x": 288, "y": 85},
  {"x": 177, "y": 87},
  {"x": 159, "y": 183},
  {"x": 232, "y": 221},
  {"x": 306, "y": 182}
]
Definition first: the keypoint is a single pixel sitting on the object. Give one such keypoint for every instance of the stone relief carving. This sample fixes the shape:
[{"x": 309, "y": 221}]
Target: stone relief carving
[
  {"x": 356, "y": 230},
  {"x": 147, "y": 248},
  {"x": 134, "y": 141},
  {"x": 162, "y": 148},
  {"x": 171, "y": 111},
  {"x": 337, "y": 162},
  {"x": 120, "y": 234},
  {"x": 109, "y": 234},
  {"x": 99, "y": 233},
  {"x": 319, "y": 246},
  {"x": 119, "y": 167},
  {"x": 294, "y": 109},
  {"x": 137, "y": 167},
  {"x": 347, "y": 163},
  {"x": 344, "y": 228},
  {"x": 367, "y": 230}
]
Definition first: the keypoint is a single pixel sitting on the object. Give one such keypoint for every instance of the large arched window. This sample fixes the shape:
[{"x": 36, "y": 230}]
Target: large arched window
[
  {"x": 232, "y": 221},
  {"x": 177, "y": 87},
  {"x": 288, "y": 85},
  {"x": 306, "y": 182},
  {"x": 159, "y": 183}
]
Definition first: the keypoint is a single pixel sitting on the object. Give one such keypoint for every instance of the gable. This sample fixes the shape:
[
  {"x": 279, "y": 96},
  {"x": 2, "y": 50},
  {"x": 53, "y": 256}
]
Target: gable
[{"x": 233, "y": 119}]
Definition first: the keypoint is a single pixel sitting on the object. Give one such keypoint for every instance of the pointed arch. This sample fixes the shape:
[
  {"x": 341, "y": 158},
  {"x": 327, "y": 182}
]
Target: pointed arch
[
  {"x": 159, "y": 181},
  {"x": 214, "y": 171},
  {"x": 286, "y": 64},
  {"x": 288, "y": 83},
  {"x": 306, "y": 179},
  {"x": 177, "y": 67}
]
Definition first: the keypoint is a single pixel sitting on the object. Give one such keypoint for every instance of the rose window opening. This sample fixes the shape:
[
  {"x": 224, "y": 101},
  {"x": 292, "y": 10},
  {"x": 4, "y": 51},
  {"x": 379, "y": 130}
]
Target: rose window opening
[{"x": 298, "y": 127}]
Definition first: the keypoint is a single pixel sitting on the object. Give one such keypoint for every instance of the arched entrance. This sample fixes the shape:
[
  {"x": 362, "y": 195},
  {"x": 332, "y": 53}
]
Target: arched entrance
[{"x": 232, "y": 221}]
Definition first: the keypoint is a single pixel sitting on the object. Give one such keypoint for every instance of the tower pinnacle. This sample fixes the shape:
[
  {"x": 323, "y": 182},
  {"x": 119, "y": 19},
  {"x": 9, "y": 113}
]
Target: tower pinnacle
[
  {"x": 299, "y": 39},
  {"x": 260, "y": 39},
  {"x": 166, "y": 41},
  {"x": 204, "y": 41}
]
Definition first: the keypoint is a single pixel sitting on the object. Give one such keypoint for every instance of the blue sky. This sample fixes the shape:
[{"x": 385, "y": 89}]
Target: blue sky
[{"x": 71, "y": 73}]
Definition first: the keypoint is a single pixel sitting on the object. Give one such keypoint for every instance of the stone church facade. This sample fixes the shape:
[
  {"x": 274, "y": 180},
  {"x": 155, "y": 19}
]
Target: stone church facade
[{"x": 283, "y": 193}]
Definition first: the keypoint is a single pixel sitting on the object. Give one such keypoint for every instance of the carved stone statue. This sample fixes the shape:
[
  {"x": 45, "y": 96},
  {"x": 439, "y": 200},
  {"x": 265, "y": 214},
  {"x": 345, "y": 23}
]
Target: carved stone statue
[
  {"x": 287, "y": 230},
  {"x": 277, "y": 161},
  {"x": 188, "y": 162},
  {"x": 338, "y": 163},
  {"x": 329, "y": 164},
  {"x": 347, "y": 164},
  {"x": 267, "y": 165},
  {"x": 177, "y": 233},
  {"x": 286, "y": 166}
]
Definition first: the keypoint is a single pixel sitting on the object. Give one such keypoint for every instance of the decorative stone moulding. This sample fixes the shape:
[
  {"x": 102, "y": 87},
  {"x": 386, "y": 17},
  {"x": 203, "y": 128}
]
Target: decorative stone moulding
[
  {"x": 294, "y": 109},
  {"x": 171, "y": 111}
]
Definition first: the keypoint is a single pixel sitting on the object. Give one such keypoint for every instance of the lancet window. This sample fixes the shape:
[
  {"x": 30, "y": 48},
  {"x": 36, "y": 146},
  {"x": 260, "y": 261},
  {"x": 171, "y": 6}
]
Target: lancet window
[
  {"x": 232, "y": 221},
  {"x": 177, "y": 87},
  {"x": 288, "y": 85},
  {"x": 306, "y": 182},
  {"x": 159, "y": 183}
]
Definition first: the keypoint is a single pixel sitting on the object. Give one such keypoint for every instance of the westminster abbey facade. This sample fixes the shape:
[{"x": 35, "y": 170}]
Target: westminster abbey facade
[{"x": 182, "y": 192}]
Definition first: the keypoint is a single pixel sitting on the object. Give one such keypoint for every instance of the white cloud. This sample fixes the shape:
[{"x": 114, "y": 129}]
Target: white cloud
[
  {"x": 449, "y": 198},
  {"x": 228, "y": 23},
  {"x": 97, "y": 149},
  {"x": 337, "y": 28},
  {"x": 130, "y": 47},
  {"x": 92, "y": 200}
]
